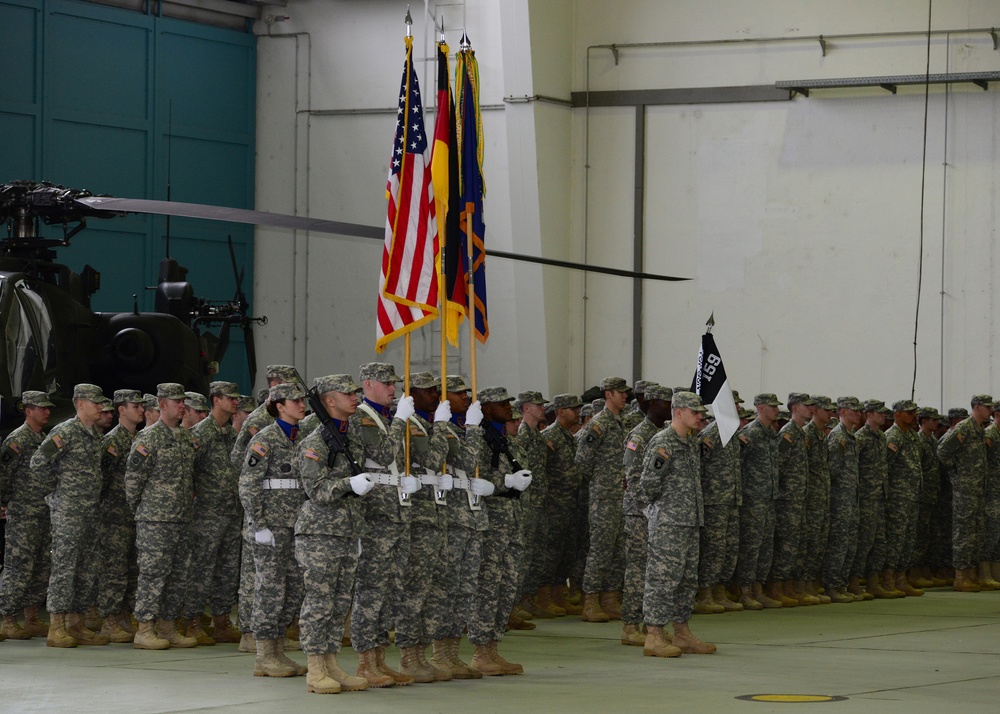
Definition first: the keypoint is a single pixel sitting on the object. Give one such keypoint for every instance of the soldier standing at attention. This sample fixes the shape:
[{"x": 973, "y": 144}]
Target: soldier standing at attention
[
  {"x": 873, "y": 476},
  {"x": 197, "y": 409},
  {"x": 902, "y": 505},
  {"x": 671, "y": 485},
  {"x": 842, "y": 542},
  {"x": 635, "y": 412},
  {"x": 67, "y": 466},
  {"x": 989, "y": 566},
  {"x": 158, "y": 487},
  {"x": 600, "y": 445},
  {"x": 150, "y": 410},
  {"x": 657, "y": 412},
  {"x": 930, "y": 474},
  {"x": 326, "y": 534},
  {"x": 816, "y": 522},
  {"x": 25, "y": 577},
  {"x": 536, "y": 598}
]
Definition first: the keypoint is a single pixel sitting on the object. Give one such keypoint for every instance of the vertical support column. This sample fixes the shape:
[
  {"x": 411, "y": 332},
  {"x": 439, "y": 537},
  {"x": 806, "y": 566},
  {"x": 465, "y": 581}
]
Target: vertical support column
[{"x": 637, "y": 238}]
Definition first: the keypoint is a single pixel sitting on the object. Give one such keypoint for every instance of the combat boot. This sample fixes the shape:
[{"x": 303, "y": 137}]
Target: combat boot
[
  {"x": 167, "y": 629},
  {"x": 440, "y": 658},
  {"x": 58, "y": 636},
  {"x": 544, "y": 601},
  {"x": 459, "y": 669},
  {"x": 747, "y": 599},
  {"x": 399, "y": 678},
  {"x": 267, "y": 663},
  {"x": 292, "y": 631},
  {"x": 112, "y": 629},
  {"x": 81, "y": 633},
  {"x": 776, "y": 591},
  {"x": 838, "y": 595},
  {"x": 721, "y": 597},
  {"x": 877, "y": 590},
  {"x": 656, "y": 644},
  {"x": 196, "y": 630},
  {"x": 410, "y": 664},
  {"x": 317, "y": 679},
  {"x": 986, "y": 581},
  {"x": 799, "y": 592},
  {"x": 248, "y": 645},
  {"x": 703, "y": 604},
  {"x": 533, "y": 608},
  {"x": 889, "y": 583},
  {"x": 521, "y": 613},
  {"x": 764, "y": 598},
  {"x": 92, "y": 619},
  {"x": 507, "y": 667},
  {"x": 611, "y": 605},
  {"x": 12, "y": 630},
  {"x": 516, "y": 623},
  {"x": 483, "y": 662},
  {"x": 559, "y": 600},
  {"x": 440, "y": 675},
  {"x": 854, "y": 588},
  {"x": 32, "y": 624},
  {"x": 809, "y": 587},
  {"x": 903, "y": 585},
  {"x": 224, "y": 630},
  {"x": 918, "y": 580},
  {"x": 592, "y": 611},
  {"x": 279, "y": 652},
  {"x": 632, "y": 635},
  {"x": 685, "y": 640},
  {"x": 146, "y": 638},
  {"x": 573, "y": 593},
  {"x": 347, "y": 682},
  {"x": 124, "y": 620},
  {"x": 369, "y": 671}
]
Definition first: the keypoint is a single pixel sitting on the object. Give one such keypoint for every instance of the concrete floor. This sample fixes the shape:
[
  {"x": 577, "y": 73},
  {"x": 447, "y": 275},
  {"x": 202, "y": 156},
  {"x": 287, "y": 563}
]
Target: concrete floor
[{"x": 928, "y": 654}]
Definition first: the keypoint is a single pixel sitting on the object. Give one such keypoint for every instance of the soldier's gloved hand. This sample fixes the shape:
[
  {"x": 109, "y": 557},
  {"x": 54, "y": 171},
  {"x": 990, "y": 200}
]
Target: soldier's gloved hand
[
  {"x": 362, "y": 484},
  {"x": 519, "y": 480},
  {"x": 405, "y": 408},
  {"x": 474, "y": 417},
  {"x": 481, "y": 487},
  {"x": 443, "y": 412},
  {"x": 445, "y": 482},
  {"x": 409, "y": 484},
  {"x": 264, "y": 537}
]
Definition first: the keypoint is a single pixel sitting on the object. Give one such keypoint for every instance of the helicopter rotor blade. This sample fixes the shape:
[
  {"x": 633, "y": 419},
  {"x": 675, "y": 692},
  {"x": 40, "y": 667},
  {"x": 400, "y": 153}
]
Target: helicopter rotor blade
[
  {"x": 244, "y": 306},
  {"x": 251, "y": 351}
]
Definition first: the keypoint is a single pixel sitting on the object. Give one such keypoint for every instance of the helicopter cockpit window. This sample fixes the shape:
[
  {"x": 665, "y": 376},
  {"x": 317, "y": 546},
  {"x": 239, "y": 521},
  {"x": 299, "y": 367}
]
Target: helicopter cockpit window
[{"x": 28, "y": 337}]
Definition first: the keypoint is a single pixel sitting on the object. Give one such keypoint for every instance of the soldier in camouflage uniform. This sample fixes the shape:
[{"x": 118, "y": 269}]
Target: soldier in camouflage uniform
[
  {"x": 759, "y": 487},
  {"x": 271, "y": 498},
  {"x": 902, "y": 506},
  {"x": 989, "y": 567},
  {"x": 326, "y": 534},
  {"x": 963, "y": 452},
  {"x": 428, "y": 527},
  {"x": 599, "y": 451},
  {"x": 536, "y": 597},
  {"x": 873, "y": 476},
  {"x": 216, "y": 532},
  {"x": 560, "y": 547},
  {"x": 386, "y": 540},
  {"x": 816, "y": 519},
  {"x": 503, "y": 548},
  {"x": 67, "y": 466},
  {"x": 257, "y": 420},
  {"x": 197, "y": 408},
  {"x": 842, "y": 458},
  {"x": 656, "y": 414},
  {"x": 158, "y": 487},
  {"x": 243, "y": 410},
  {"x": 720, "y": 537},
  {"x": 456, "y": 579},
  {"x": 25, "y": 577},
  {"x": 670, "y": 488},
  {"x": 930, "y": 475},
  {"x": 635, "y": 412},
  {"x": 118, "y": 569},
  {"x": 793, "y": 479}
]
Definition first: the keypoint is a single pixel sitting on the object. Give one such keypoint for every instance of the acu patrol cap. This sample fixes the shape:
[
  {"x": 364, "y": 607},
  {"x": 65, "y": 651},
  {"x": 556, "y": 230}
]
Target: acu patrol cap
[
  {"x": 424, "y": 380},
  {"x": 849, "y": 403},
  {"x": 380, "y": 372},
  {"x": 641, "y": 385},
  {"x": 247, "y": 403},
  {"x": 107, "y": 405},
  {"x": 825, "y": 403},
  {"x": 224, "y": 389},
  {"x": 343, "y": 383},
  {"x": 289, "y": 390},
  {"x": 768, "y": 398},
  {"x": 515, "y": 413},
  {"x": 170, "y": 390},
  {"x": 800, "y": 398},
  {"x": 90, "y": 392},
  {"x": 196, "y": 401},
  {"x": 615, "y": 384},
  {"x": 565, "y": 401},
  {"x": 737, "y": 398},
  {"x": 905, "y": 405},
  {"x": 928, "y": 413},
  {"x": 587, "y": 410},
  {"x": 128, "y": 396},
  {"x": 655, "y": 391},
  {"x": 688, "y": 400},
  {"x": 488, "y": 395},
  {"x": 456, "y": 383},
  {"x": 34, "y": 398},
  {"x": 149, "y": 401},
  {"x": 285, "y": 372},
  {"x": 958, "y": 413},
  {"x": 873, "y": 405},
  {"x": 744, "y": 413},
  {"x": 529, "y": 397},
  {"x": 984, "y": 400}
]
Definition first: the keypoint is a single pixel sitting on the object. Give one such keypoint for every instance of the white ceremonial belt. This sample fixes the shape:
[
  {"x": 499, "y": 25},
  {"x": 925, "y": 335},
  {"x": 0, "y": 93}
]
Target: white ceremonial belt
[
  {"x": 274, "y": 484},
  {"x": 429, "y": 480},
  {"x": 462, "y": 483},
  {"x": 384, "y": 479}
]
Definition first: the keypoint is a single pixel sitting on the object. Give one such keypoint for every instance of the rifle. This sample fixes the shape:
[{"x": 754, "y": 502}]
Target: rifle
[
  {"x": 498, "y": 445},
  {"x": 331, "y": 434}
]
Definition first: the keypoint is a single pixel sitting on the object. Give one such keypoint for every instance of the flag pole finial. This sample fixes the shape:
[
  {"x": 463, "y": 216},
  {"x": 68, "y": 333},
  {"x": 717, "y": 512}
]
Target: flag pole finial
[
  {"x": 711, "y": 322},
  {"x": 465, "y": 44},
  {"x": 409, "y": 22},
  {"x": 441, "y": 29}
]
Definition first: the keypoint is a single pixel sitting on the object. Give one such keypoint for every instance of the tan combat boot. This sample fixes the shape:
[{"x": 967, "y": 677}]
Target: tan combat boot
[
  {"x": 196, "y": 630},
  {"x": 32, "y": 624},
  {"x": 775, "y": 590},
  {"x": 889, "y": 583},
  {"x": 507, "y": 667},
  {"x": 839, "y": 595},
  {"x": 685, "y": 640},
  {"x": 592, "y": 611},
  {"x": 92, "y": 619},
  {"x": 704, "y": 605},
  {"x": 516, "y": 623},
  {"x": 986, "y": 581},
  {"x": 410, "y": 664},
  {"x": 559, "y": 600},
  {"x": 747, "y": 599},
  {"x": 854, "y": 588},
  {"x": 347, "y": 682},
  {"x": 124, "y": 620},
  {"x": 459, "y": 669},
  {"x": 632, "y": 635},
  {"x": 279, "y": 652},
  {"x": 146, "y": 638},
  {"x": 611, "y": 605},
  {"x": 440, "y": 658},
  {"x": 167, "y": 629},
  {"x": 764, "y": 598},
  {"x": 440, "y": 675},
  {"x": 918, "y": 579},
  {"x": 12, "y": 630},
  {"x": 58, "y": 636},
  {"x": 877, "y": 590},
  {"x": 401, "y": 679},
  {"x": 903, "y": 585},
  {"x": 799, "y": 592},
  {"x": 369, "y": 671},
  {"x": 317, "y": 679},
  {"x": 721, "y": 597},
  {"x": 224, "y": 630},
  {"x": 656, "y": 644},
  {"x": 248, "y": 645},
  {"x": 81, "y": 633},
  {"x": 482, "y": 661},
  {"x": 546, "y": 601},
  {"x": 534, "y": 606},
  {"x": 965, "y": 582},
  {"x": 813, "y": 587},
  {"x": 267, "y": 663},
  {"x": 112, "y": 629}
]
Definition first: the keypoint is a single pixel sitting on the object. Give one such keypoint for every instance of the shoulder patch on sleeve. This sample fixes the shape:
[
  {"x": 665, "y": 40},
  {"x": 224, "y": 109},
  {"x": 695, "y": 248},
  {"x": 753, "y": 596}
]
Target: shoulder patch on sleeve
[
  {"x": 367, "y": 421},
  {"x": 631, "y": 446},
  {"x": 707, "y": 441},
  {"x": 259, "y": 449},
  {"x": 745, "y": 439},
  {"x": 596, "y": 428},
  {"x": 14, "y": 446},
  {"x": 960, "y": 436},
  {"x": 893, "y": 446},
  {"x": 113, "y": 450},
  {"x": 662, "y": 457},
  {"x": 311, "y": 454},
  {"x": 196, "y": 443},
  {"x": 415, "y": 430},
  {"x": 252, "y": 430},
  {"x": 551, "y": 445},
  {"x": 788, "y": 437},
  {"x": 141, "y": 450},
  {"x": 58, "y": 441}
]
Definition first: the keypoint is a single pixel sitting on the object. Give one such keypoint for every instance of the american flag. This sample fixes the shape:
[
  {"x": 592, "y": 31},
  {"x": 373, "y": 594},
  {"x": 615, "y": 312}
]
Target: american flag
[{"x": 408, "y": 292}]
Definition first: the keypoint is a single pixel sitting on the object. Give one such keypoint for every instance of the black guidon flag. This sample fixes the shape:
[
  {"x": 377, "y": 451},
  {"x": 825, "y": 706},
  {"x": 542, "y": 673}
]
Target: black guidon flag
[{"x": 711, "y": 383}]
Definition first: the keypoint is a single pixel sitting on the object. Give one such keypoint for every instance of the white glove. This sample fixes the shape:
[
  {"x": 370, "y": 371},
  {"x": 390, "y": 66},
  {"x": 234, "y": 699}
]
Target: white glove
[
  {"x": 519, "y": 480},
  {"x": 264, "y": 537},
  {"x": 443, "y": 412},
  {"x": 405, "y": 408},
  {"x": 362, "y": 484},
  {"x": 445, "y": 482},
  {"x": 474, "y": 417},
  {"x": 481, "y": 487},
  {"x": 409, "y": 484}
]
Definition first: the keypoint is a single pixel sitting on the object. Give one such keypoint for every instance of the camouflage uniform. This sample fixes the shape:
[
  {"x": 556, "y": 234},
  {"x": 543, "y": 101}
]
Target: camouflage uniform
[
  {"x": 68, "y": 464},
  {"x": 963, "y": 451},
  {"x": 842, "y": 543},
  {"x": 536, "y": 526},
  {"x": 271, "y": 497},
  {"x": 118, "y": 568},
  {"x": 793, "y": 478},
  {"x": 927, "y": 525},
  {"x": 25, "y": 577},
  {"x": 759, "y": 486},
  {"x": 217, "y": 527},
  {"x": 326, "y": 539},
  {"x": 991, "y": 535},
  {"x": 872, "y": 477},
  {"x": 902, "y": 506},
  {"x": 636, "y": 528},
  {"x": 722, "y": 495},
  {"x": 561, "y": 545},
  {"x": 671, "y": 485},
  {"x": 158, "y": 486},
  {"x": 816, "y": 521},
  {"x": 600, "y": 445}
]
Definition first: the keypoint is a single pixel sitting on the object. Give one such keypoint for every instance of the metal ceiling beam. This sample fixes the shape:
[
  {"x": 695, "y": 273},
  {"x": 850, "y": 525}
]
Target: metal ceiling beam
[
  {"x": 889, "y": 83},
  {"x": 688, "y": 95}
]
